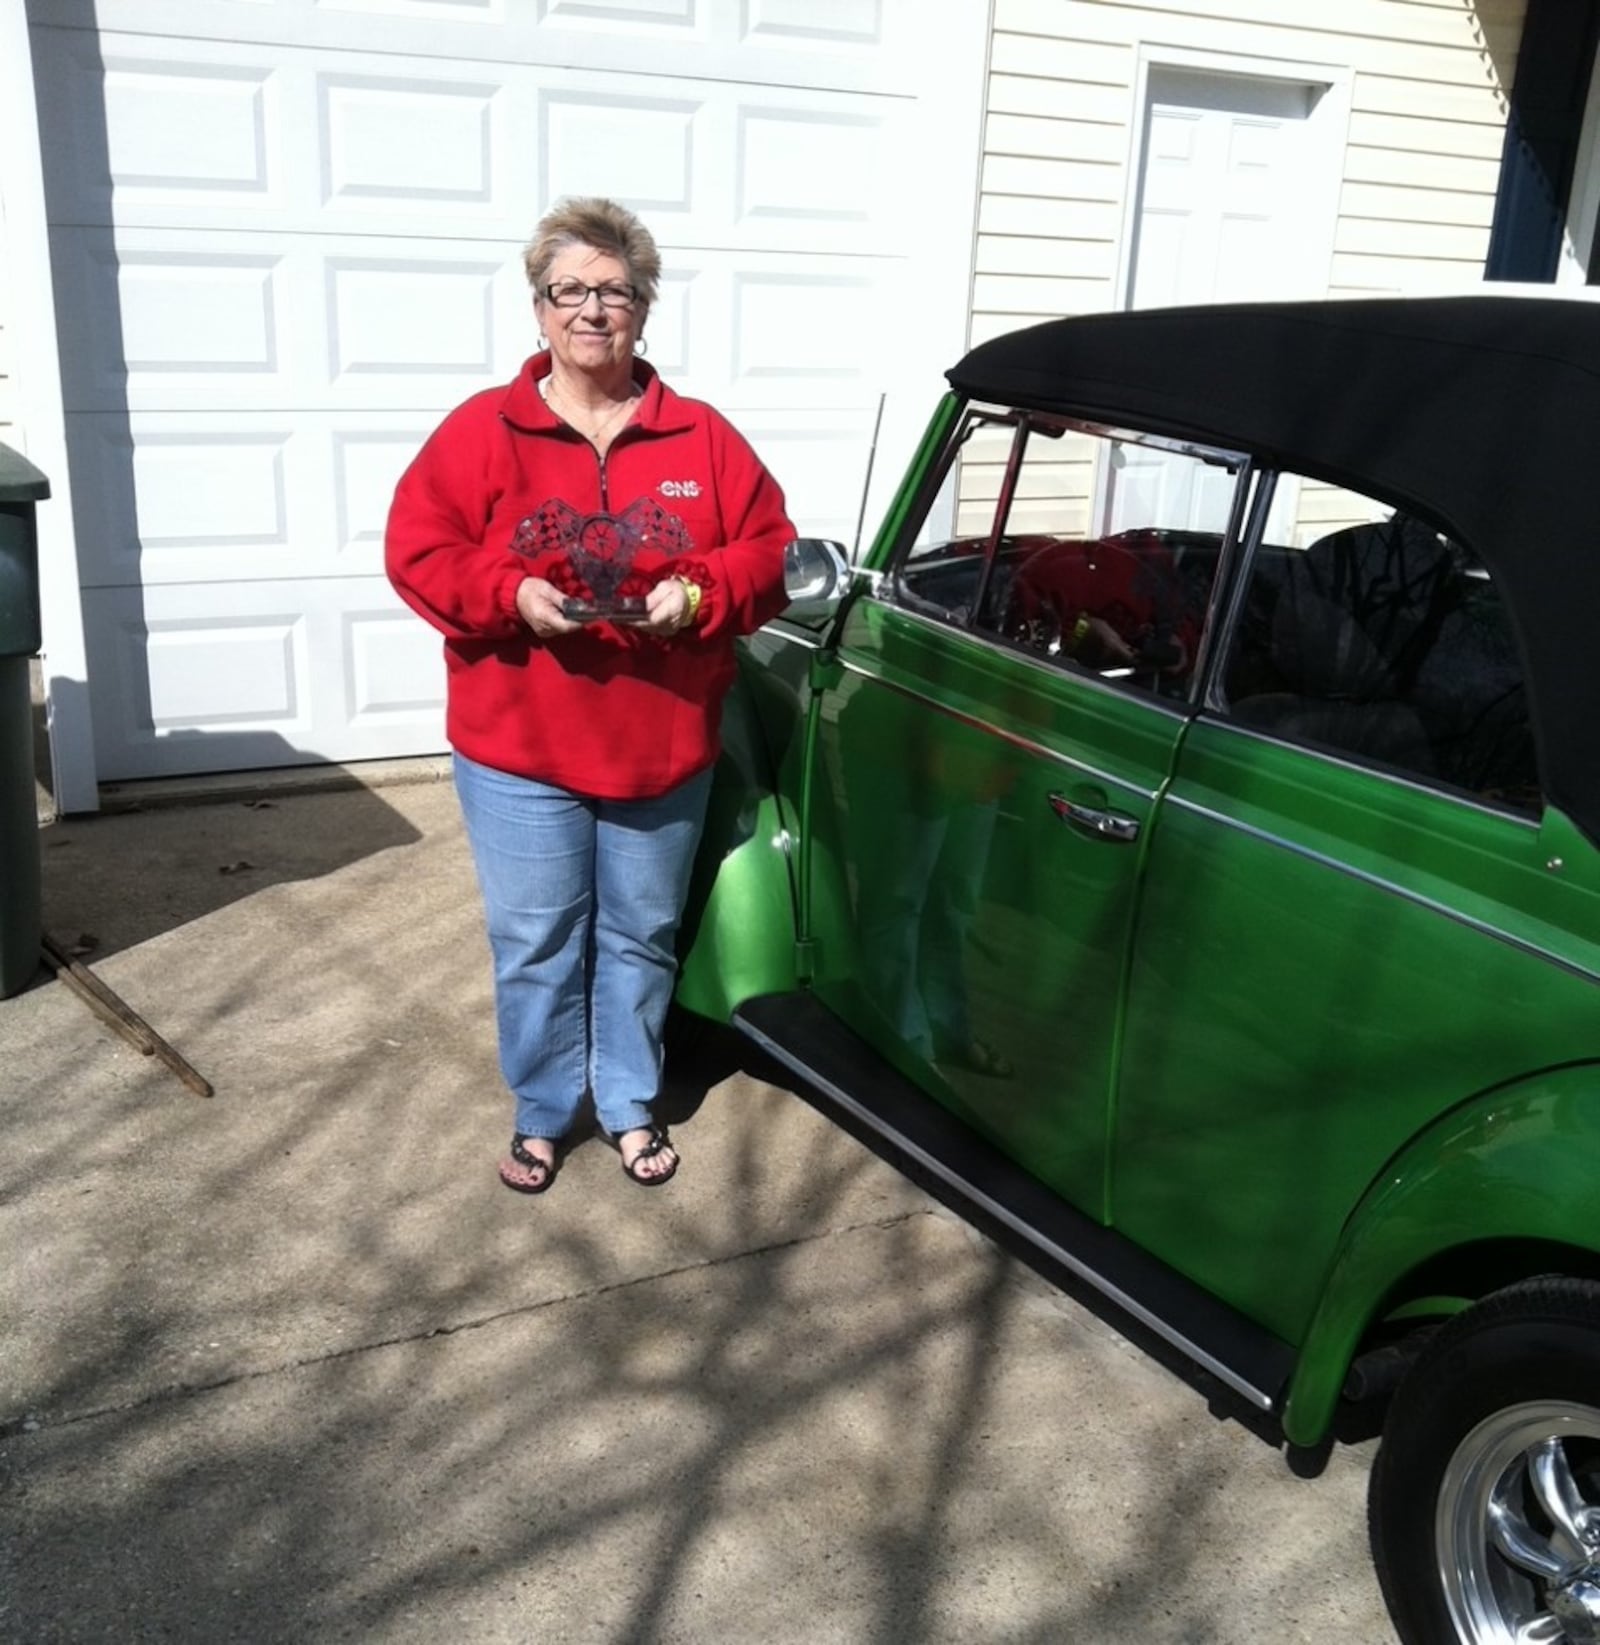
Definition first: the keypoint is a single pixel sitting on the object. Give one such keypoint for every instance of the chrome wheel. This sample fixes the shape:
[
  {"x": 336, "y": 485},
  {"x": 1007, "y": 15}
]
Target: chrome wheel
[{"x": 1517, "y": 1527}]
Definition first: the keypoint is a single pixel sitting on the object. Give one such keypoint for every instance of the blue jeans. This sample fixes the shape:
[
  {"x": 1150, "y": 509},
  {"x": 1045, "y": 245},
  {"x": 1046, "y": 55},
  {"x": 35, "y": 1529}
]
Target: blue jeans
[{"x": 583, "y": 898}]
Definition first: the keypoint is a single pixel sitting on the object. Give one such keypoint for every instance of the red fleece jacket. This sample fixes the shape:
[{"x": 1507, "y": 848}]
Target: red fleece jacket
[{"x": 501, "y": 491}]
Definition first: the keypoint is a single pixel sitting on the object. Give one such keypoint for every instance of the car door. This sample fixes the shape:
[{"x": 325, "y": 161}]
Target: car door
[
  {"x": 1351, "y": 912},
  {"x": 981, "y": 791}
]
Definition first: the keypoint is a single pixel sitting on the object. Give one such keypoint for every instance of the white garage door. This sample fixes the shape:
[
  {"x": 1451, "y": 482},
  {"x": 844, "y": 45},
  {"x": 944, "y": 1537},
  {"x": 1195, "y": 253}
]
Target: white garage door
[{"x": 286, "y": 237}]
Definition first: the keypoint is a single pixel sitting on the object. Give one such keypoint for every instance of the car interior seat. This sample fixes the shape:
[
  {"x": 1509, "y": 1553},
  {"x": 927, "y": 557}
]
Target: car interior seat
[{"x": 1355, "y": 617}]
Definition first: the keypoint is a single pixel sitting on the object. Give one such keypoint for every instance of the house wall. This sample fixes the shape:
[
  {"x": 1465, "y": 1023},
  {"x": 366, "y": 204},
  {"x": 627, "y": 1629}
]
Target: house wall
[
  {"x": 1428, "y": 94},
  {"x": 1428, "y": 113}
]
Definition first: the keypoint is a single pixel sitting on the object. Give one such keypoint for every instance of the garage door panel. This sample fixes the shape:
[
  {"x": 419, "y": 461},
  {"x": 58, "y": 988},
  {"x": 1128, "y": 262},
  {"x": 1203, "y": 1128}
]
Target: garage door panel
[
  {"x": 353, "y": 322},
  {"x": 245, "y": 135},
  {"x": 213, "y": 493},
  {"x": 820, "y": 459},
  {"x": 834, "y": 313},
  {"x": 284, "y": 322},
  {"x": 288, "y": 674},
  {"x": 152, "y": 110},
  {"x": 856, "y": 22},
  {"x": 172, "y": 675},
  {"x": 366, "y": 463},
  {"x": 392, "y": 678},
  {"x": 825, "y": 167},
  {"x": 168, "y": 499},
  {"x": 161, "y": 312},
  {"x": 618, "y": 16},
  {"x": 671, "y": 340},
  {"x": 754, "y": 332},
  {"x": 157, "y": 318},
  {"x": 628, "y": 147},
  {"x": 134, "y": 123},
  {"x": 866, "y": 45},
  {"x": 228, "y": 498},
  {"x": 252, "y": 137},
  {"x": 419, "y": 318}
]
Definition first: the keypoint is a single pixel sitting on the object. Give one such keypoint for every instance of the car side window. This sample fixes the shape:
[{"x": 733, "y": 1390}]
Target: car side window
[
  {"x": 1093, "y": 548},
  {"x": 1364, "y": 631}
]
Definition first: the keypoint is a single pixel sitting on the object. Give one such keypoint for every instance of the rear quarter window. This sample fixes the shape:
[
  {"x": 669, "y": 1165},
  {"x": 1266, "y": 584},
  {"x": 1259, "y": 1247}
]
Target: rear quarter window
[{"x": 1363, "y": 631}]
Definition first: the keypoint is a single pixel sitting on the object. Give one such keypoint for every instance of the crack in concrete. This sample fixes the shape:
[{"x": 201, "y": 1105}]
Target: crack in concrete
[{"x": 27, "y": 1425}]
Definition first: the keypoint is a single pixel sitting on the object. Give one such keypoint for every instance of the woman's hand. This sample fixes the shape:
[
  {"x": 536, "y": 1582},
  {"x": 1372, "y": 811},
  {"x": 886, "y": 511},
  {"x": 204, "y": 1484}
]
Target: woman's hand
[
  {"x": 1113, "y": 648},
  {"x": 1093, "y": 642},
  {"x": 667, "y": 608},
  {"x": 539, "y": 606}
]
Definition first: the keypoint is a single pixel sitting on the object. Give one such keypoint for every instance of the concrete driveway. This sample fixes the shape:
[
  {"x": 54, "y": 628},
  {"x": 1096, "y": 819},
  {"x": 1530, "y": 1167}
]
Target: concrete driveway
[{"x": 289, "y": 1364}]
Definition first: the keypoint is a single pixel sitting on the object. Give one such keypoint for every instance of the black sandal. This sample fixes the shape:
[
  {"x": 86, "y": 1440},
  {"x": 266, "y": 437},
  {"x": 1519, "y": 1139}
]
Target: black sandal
[
  {"x": 649, "y": 1149},
  {"x": 521, "y": 1161}
]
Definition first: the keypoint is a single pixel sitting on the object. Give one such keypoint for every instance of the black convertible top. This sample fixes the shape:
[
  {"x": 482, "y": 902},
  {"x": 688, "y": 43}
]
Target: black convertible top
[{"x": 1481, "y": 414}]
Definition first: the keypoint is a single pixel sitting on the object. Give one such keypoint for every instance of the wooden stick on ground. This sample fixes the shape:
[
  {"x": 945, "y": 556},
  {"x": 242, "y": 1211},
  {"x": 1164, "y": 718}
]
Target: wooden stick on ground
[{"x": 115, "y": 1010}]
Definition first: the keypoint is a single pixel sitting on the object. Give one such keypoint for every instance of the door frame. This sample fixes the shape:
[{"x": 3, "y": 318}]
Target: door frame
[{"x": 1327, "y": 136}]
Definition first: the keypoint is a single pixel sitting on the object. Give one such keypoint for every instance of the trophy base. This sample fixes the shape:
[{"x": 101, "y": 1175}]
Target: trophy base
[{"x": 629, "y": 608}]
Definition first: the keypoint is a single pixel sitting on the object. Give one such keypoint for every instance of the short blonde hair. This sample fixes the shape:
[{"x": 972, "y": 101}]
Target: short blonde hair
[{"x": 602, "y": 225}]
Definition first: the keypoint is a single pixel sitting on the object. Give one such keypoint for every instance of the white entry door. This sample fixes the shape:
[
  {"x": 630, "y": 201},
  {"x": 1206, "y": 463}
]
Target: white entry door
[
  {"x": 286, "y": 238},
  {"x": 1232, "y": 200},
  {"x": 1236, "y": 202}
]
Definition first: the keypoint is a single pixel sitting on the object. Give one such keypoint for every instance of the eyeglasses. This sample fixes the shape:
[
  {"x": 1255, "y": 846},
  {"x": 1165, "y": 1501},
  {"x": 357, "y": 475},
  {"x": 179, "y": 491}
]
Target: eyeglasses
[{"x": 574, "y": 294}]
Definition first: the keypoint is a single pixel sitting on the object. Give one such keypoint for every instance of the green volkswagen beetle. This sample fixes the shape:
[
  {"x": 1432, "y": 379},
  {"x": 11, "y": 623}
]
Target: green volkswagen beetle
[{"x": 1181, "y": 833}]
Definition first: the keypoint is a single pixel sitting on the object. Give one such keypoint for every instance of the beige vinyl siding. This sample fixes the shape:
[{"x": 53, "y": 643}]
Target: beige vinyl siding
[
  {"x": 1052, "y": 495},
  {"x": 1321, "y": 509},
  {"x": 1429, "y": 84}
]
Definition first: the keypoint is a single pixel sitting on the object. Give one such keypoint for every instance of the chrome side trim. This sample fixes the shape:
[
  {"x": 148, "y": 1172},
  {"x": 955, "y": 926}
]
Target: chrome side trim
[
  {"x": 1482, "y": 927},
  {"x": 990, "y": 729},
  {"x": 780, "y": 631},
  {"x": 1222, "y": 721},
  {"x": 1164, "y": 1329}
]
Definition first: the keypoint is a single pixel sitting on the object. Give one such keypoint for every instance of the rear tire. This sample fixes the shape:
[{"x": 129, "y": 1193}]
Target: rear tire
[{"x": 1484, "y": 1503}]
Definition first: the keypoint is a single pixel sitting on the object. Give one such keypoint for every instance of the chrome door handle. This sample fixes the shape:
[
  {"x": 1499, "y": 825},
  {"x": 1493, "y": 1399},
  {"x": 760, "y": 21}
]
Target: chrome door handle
[{"x": 1104, "y": 825}]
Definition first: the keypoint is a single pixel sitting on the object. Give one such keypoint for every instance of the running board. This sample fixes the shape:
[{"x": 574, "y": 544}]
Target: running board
[{"x": 811, "y": 1042}]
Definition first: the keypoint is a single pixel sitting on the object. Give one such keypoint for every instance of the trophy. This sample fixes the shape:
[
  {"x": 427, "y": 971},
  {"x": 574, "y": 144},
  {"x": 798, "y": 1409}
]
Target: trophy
[
  {"x": 598, "y": 551},
  {"x": 601, "y": 555}
]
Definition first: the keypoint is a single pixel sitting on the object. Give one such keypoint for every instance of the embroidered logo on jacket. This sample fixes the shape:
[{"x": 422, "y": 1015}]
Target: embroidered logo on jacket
[{"x": 679, "y": 488}]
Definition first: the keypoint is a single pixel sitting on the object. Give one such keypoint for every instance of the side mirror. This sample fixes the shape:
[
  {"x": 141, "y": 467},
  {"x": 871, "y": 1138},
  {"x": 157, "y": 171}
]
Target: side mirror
[{"x": 815, "y": 577}]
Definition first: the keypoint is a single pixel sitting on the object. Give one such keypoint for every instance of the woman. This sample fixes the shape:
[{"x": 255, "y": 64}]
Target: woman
[{"x": 590, "y": 544}]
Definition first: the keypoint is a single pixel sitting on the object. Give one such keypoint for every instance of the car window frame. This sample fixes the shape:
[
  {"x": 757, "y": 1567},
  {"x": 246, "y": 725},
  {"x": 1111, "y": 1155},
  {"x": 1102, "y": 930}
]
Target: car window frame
[
  {"x": 1216, "y": 707},
  {"x": 1025, "y": 421}
]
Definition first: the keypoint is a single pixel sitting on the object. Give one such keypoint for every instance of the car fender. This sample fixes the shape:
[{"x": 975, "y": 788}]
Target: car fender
[
  {"x": 737, "y": 937},
  {"x": 1519, "y": 1163}
]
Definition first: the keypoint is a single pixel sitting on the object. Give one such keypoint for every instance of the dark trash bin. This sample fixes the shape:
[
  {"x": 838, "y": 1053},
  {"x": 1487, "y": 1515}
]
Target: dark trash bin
[{"x": 21, "y": 917}]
